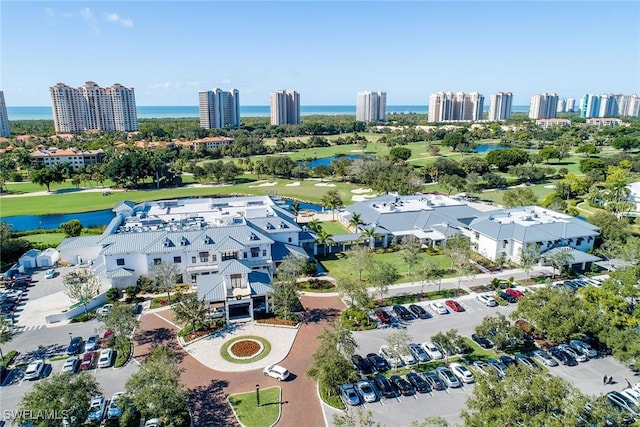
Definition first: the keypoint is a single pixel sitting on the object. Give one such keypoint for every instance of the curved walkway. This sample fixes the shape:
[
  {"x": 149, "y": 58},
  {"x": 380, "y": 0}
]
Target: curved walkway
[{"x": 208, "y": 388}]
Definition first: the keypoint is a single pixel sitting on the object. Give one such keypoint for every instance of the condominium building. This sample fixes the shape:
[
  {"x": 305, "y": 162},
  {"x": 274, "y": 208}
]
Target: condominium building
[
  {"x": 75, "y": 158},
  {"x": 562, "y": 105},
  {"x": 285, "y": 107},
  {"x": 447, "y": 106},
  {"x": 629, "y": 105},
  {"x": 4, "y": 118},
  {"x": 571, "y": 105},
  {"x": 219, "y": 109},
  {"x": 590, "y": 106},
  {"x": 500, "y": 106},
  {"x": 371, "y": 106},
  {"x": 543, "y": 106},
  {"x": 92, "y": 107}
]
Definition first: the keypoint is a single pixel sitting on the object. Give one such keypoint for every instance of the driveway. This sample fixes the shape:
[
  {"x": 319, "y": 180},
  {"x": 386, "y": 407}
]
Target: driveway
[{"x": 208, "y": 388}]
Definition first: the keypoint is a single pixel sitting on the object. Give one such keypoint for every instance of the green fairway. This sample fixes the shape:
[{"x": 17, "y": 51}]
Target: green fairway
[
  {"x": 49, "y": 239},
  {"x": 251, "y": 415}
]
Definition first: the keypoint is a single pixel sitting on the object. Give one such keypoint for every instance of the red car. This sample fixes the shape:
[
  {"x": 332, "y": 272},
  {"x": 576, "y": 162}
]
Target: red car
[
  {"x": 89, "y": 360},
  {"x": 382, "y": 316},
  {"x": 527, "y": 328},
  {"x": 454, "y": 305},
  {"x": 514, "y": 293}
]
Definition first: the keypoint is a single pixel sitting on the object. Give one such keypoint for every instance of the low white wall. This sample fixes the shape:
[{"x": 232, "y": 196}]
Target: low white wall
[{"x": 67, "y": 315}]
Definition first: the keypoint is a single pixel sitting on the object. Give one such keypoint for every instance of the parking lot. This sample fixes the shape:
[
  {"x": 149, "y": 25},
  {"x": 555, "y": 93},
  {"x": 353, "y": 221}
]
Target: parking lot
[{"x": 587, "y": 376}]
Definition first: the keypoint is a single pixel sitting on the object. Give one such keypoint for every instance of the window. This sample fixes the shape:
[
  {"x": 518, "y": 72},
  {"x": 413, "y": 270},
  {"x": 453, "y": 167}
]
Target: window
[
  {"x": 194, "y": 278},
  {"x": 264, "y": 252},
  {"x": 229, "y": 255},
  {"x": 120, "y": 261},
  {"x": 289, "y": 239},
  {"x": 255, "y": 252},
  {"x": 204, "y": 256},
  {"x": 177, "y": 259},
  {"x": 214, "y": 258},
  {"x": 157, "y": 261},
  {"x": 236, "y": 281},
  {"x": 179, "y": 278},
  {"x": 245, "y": 255},
  {"x": 193, "y": 260}
]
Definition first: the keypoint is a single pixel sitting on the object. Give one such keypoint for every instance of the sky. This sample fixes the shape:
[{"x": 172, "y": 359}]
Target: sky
[{"x": 327, "y": 51}]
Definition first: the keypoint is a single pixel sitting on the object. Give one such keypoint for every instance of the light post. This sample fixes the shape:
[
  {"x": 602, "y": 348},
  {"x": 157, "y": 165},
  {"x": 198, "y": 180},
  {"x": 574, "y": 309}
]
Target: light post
[
  {"x": 257, "y": 394},
  {"x": 70, "y": 336}
]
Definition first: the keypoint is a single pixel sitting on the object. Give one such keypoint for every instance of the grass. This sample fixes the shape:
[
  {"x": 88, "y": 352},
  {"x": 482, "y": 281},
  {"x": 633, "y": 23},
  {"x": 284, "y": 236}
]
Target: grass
[
  {"x": 339, "y": 268},
  {"x": 334, "y": 228},
  {"x": 224, "y": 351},
  {"x": 49, "y": 239},
  {"x": 251, "y": 415}
]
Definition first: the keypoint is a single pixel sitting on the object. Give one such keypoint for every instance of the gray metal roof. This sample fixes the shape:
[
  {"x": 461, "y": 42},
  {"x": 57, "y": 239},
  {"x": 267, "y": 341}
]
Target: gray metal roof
[
  {"x": 579, "y": 257},
  {"x": 211, "y": 287},
  {"x": 232, "y": 266},
  {"x": 280, "y": 250}
]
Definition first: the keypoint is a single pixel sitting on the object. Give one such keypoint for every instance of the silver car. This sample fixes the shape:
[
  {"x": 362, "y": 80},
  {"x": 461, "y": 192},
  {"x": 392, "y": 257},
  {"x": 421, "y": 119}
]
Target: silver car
[
  {"x": 367, "y": 391},
  {"x": 544, "y": 358},
  {"x": 448, "y": 377}
]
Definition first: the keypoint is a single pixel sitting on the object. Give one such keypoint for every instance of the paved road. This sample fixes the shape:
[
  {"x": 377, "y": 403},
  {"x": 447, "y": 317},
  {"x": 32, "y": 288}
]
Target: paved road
[{"x": 208, "y": 388}]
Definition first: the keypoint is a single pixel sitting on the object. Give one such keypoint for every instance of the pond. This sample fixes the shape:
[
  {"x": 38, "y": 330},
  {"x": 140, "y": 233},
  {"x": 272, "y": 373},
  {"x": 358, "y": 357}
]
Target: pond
[
  {"x": 326, "y": 161},
  {"x": 94, "y": 218},
  {"x": 487, "y": 148}
]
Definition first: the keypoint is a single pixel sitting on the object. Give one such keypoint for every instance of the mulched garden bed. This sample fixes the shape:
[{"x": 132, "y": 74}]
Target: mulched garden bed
[
  {"x": 197, "y": 334},
  {"x": 277, "y": 322},
  {"x": 245, "y": 348},
  {"x": 482, "y": 288}
]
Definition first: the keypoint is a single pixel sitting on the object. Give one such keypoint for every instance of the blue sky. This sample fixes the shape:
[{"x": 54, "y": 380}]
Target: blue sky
[{"x": 327, "y": 51}]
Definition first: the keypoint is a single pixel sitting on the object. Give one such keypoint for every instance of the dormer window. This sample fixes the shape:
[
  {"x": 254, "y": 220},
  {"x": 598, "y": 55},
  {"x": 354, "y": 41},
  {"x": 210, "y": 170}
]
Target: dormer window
[
  {"x": 252, "y": 236},
  {"x": 184, "y": 241},
  {"x": 269, "y": 226},
  {"x": 207, "y": 240},
  {"x": 167, "y": 242}
]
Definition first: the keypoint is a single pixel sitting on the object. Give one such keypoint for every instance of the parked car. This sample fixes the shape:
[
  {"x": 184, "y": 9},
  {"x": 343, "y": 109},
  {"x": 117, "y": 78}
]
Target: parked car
[
  {"x": 71, "y": 364},
  {"x": 500, "y": 368},
  {"x": 75, "y": 346},
  {"x": 527, "y": 328},
  {"x": 487, "y": 300},
  {"x": 632, "y": 395},
  {"x": 34, "y": 370},
  {"x": 402, "y": 312},
  {"x": 115, "y": 405},
  {"x": 349, "y": 395},
  {"x": 584, "y": 348},
  {"x": 454, "y": 305},
  {"x": 526, "y": 361},
  {"x": 579, "y": 356},
  {"x": 88, "y": 360},
  {"x": 418, "y": 353},
  {"x": 402, "y": 385},
  {"x": 378, "y": 362},
  {"x": 562, "y": 357},
  {"x": 507, "y": 360},
  {"x": 461, "y": 371},
  {"x": 433, "y": 351},
  {"x": 384, "y": 386},
  {"x": 392, "y": 358},
  {"x": 216, "y": 313},
  {"x": 482, "y": 341},
  {"x": 482, "y": 367},
  {"x": 276, "y": 371},
  {"x": 362, "y": 365},
  {"x": 92, "y": 342},
  {"x": 433, "y": 379},
  {"x": 419, "y": 311},
  {"x": 508, "y": 298},
  {"x": 544, "y": 358},
  {"x": 405, "y": 355},
  {"x": 366, "y": 391},
  {"x": 382, "y": 315},
  {"x": 418, "y": 383},
  {"x": 106, "y": 358},
  {"x": 623, "y": 402},
  {"x": 96, "y": 409},
  {"x": 514, "y": 293},
  {"x": 153, "y": 422},
  {"x": 104, "y": 310},
  {"x": 448, "y": 377},
  {"x": 439, "y": 308}
]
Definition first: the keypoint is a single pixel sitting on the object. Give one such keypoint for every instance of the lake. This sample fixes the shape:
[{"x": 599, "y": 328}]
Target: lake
[
  {"x": 326, "y": 161},
  {"x": 487, "y": 148}
]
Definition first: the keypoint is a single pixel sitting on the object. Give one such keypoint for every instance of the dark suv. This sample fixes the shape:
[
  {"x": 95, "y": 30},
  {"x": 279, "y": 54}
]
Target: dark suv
[
  {"x": 402, "y": 312},
  {"x": 384, "y": 386}
]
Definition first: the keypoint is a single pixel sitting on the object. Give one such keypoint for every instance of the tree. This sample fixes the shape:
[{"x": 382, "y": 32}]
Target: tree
[
  {"x": 588, "y": 149},
  {"x": 429, "y": 272},
  {"x": 333, "y": 201},
  {"x": 355, "y": 221},
  {"x": 381, "y": 275},
  {"x": 47, "y": 176},
  {"x": 430, "y": 422},
  {"x": 522, "y": 196},
  {"x": 72, "y": 228},
  {"x": 190, "y": 310},
  {"x": 499, "y": 330},
  {"x": 410, "y": 248},
  {"x": 610, "y": 249},
  {"x": 66, "y": 395},
  {"x": 359, "y": 258},
  {"x": 611, "y": 227},
  {"x": 448, "y": 340},
  {"x": 357, "y": 418},
  {"x": 155, "y": 389},
  {"x": 502, "y": 159},
  {"x": 81, "y": 285},
  {"x": 400, "y": 153},
  {"x": 559, "y": 259},
  {"x": 398, "y": 342},
  {"x": 285, "y": 295},
  {"x": 163, "y": 274},
  {"x": 452, "y": 182},
  {"x": 325, "y": 239},
  {"x": 529, "y": 254},
  {"x": 369, "y": 234},
  {"x": 5, "y": 333},
  {"x": 295, "y": 208},
  {"x": 11, "y": 248},
  {"x": 351, "y": 289}
]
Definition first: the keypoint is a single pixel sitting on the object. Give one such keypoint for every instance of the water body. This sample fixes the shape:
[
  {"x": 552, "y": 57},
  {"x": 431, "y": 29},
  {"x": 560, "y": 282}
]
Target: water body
[
  {"x": 487, "y": 148},
  {"x": 326, "y": 161},
  {"x": 182, "y": 111},
  {"x": 94, "y": 218}
]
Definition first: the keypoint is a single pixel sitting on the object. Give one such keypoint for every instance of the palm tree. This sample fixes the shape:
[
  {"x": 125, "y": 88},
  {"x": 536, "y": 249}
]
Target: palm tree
[
  {"x": 355, "y": 221},
  {"x": 295, "y": 208},
  {"x": 314, "y": 225},
  {"x": 325, "y": 239},
  {"x": 369, "y": 234}
]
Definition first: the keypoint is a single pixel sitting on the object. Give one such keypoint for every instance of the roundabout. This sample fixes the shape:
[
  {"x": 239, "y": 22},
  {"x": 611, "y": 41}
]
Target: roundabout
[{"x": 245, "y": 349}]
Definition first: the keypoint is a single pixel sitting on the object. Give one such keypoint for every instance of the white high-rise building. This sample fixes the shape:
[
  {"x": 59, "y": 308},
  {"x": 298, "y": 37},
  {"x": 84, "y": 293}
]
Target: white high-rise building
[
  {"x": 543, "y": 106},
  {"x": 4, "y": 118},
  {"x": 500, "y": 106},
  {"x": 474, "y": 106},
  {"x": 92, "y": 107},
  {"x": 571, "y": 105},
  {"x": 447, "y": 106},
  {"x": 219, "y": 109},
  {"x": 371, "y": 106},
  {"x": 629, "y": 105},
  {"x": 562, "y": 105},
  {"x": 285, "y": 107}
]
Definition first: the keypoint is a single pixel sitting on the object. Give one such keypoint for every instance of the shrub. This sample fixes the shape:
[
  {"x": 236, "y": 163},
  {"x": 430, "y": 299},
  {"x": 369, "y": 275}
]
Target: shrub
[
  {"x": 84, "y": 317},
  {"x": 123, "y": 351},
  {"x": 9, "y": 357},
  {"x": 113, "y": 294}
]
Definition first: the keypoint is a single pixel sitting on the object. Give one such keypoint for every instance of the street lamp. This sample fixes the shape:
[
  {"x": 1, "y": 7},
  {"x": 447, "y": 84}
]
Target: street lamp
[
  {"x": 70, "y": 336},
  {"x": 257, "y": 394}
]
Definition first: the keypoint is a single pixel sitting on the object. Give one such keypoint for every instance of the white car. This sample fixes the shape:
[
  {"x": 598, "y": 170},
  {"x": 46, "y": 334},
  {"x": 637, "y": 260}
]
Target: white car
[
  {"x": 34, "y": 370},
  {"x": 71, "y": 364},
  {"x": 432, "y": 350},
  {"x": 392, "y": 357},
  {"x": 96, "y": 409},
  {"x": 632, "y": 394},
  {"x": 439, "y": 308},
  {"x": 106, "y": 358},
  {"x": 487, "y": 300},
  {"x": 92, "y": 342},
  {"x": 462, "y": 373},
  {"x": 104, "y": 310},
  {"x": 405, "y": 355},
  {"x": 153, "y": 422},
  {"x": 50, "y": 274},
  {"x": 276, "y": 371},
  {"x": 115, "y": 410}
]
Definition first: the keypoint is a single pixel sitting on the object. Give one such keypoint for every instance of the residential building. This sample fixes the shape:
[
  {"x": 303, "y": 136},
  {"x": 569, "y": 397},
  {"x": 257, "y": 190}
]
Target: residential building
[
  {"x": 493, "y": 232},
  {"x": 209, "y": 143},
  {"x": 547, "y": 123},
  {"x": 604, "y": 122},
  {"x": 543, "y": 106},
  {"x": 371, "y": 106},
  {"x": 562, "y": 105},
  {"x": 219, "y": 109},
  {"x": 4, "y": 118},
  {"x": 571, "y": 105},
  {"x": 629, "y": 105},
  {"x": 447, "y": 106},
  {"x": 228, "y": 248},
  {"x": 500, "y": 106},
  {"x": 93, "y": 108},
  {"x": 285, "y": 107},
  {"x": 74, "y": 157}
]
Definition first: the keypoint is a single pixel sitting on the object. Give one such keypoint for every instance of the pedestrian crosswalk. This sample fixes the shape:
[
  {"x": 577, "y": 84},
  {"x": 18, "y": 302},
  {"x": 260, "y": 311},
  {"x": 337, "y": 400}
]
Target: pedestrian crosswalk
[{"x": 27, "y": 328}]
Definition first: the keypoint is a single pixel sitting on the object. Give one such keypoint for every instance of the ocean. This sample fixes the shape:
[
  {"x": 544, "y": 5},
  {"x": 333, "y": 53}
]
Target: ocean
[{"x": 178, "y": 111}]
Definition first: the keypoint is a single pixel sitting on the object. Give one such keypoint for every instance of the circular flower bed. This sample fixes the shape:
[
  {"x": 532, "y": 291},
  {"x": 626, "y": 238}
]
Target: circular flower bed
[{"x": 245, "y": 348}]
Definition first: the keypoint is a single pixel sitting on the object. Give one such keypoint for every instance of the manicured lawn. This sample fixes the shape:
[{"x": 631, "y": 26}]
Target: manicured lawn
[
  {"x": 251, "y": 415},
  {"x": 50, "y": 239},
  {"x": 334, "y": 228},
  {"x": 224, "y": 350},
  {"x": 339, "y": 267}
]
